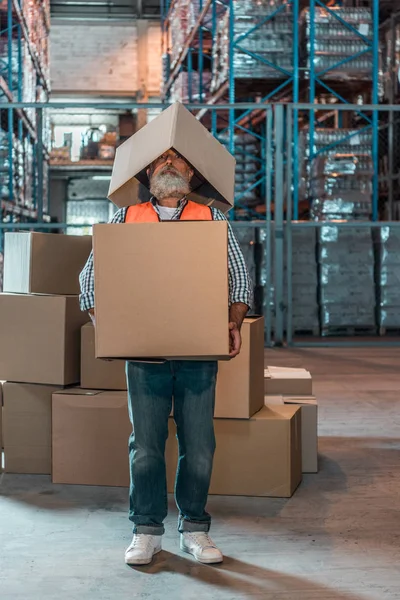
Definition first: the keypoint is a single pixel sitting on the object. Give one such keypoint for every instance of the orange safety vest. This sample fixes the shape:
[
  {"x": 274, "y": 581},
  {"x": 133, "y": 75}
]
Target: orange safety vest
[{"x": 145, "y": 213}]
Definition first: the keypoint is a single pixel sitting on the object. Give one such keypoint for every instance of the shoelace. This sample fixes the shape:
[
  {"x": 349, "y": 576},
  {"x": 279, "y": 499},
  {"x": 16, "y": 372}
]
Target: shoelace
[
  {"x": 139, "y": 540},
  {"x": 200, "y": 538}
]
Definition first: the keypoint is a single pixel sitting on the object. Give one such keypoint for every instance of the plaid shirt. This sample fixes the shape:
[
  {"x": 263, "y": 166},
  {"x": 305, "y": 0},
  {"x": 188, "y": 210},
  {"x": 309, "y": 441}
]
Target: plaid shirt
[{"x": 240, "y": 286}]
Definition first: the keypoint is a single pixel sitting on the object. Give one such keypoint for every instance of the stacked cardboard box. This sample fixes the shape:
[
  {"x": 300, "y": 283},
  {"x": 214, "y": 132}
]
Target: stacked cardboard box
[
  {"x": 131, "y": 323},
  {"x": 91, "y": 426},
  {"x": 293, "y": 387},
  {"x": 40, "y": 321}
]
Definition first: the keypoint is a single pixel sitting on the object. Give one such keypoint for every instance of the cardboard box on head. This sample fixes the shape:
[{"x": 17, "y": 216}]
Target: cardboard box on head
[{"x": 175, "y": 128}]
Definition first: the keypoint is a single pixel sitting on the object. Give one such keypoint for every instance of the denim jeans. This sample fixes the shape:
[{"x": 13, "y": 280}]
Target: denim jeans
[{"x": 151, "y": 387}]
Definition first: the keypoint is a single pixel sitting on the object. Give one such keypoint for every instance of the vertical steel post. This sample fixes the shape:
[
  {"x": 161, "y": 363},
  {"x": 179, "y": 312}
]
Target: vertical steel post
[
  {"x": 231, "y": 77},
  {"x": 214, "y": 41},
  {"x": 278, "y": 218},
  {"x": 391, "y": 120},
  {"x": 10, "y": 111},
  {"x": 295, "y": 121},
  {"x": 190, "y": 73},
  {"x": 231, "y": 85},
  {"x": 201, "y": 56},
  {"x": 288, "y": 230},
  {"x": 268, "y": 228},
  {"x": 312, "y": 79},
  {"x": 375, "y": 115},
  {"x": 40, "y": 157},
  {"x": 20, "y": 77}
]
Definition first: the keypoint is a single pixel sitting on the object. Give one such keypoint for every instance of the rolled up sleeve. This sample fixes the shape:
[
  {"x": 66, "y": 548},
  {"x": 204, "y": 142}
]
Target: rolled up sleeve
[
  {"x": 86, "y": 278},
  {"x": 240, "y": 284}
]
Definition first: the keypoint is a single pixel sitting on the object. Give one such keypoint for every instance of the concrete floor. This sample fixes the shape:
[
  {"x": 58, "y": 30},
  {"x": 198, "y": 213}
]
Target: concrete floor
[{"x": 338, "y": 538}]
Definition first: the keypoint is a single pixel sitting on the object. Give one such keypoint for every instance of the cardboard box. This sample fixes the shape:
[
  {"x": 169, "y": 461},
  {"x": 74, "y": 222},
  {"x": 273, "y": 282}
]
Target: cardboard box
[
  {"x": 260, "y": 456},
  {"x": 44, "y": 263},
  {"x": 27, "y": 427},
  {"x": 90, "y": 437},
  {"x": 309, "y": 427},
  {"x": 40, "y": 339},
  {"x": 240, "y": 382},
  {"x": 287, "y": 382},
  {"x": 161, "y": 290},
  {"x": 213, "y": 166},
  {"x": 99, "y": 374}
]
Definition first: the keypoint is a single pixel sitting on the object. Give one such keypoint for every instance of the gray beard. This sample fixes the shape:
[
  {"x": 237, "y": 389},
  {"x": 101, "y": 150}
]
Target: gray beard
[{"x": 169, "y": 185}]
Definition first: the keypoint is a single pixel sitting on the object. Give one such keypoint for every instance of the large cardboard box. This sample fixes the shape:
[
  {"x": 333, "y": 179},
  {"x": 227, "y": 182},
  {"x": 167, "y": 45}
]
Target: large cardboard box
[
  {"x": 161, "y": 290},
  {"x": 240, "y": 382},
  {"x": 260, "y": 456},
  {"x": 287, "y": 382},
  {"x": 90, "y": 437},
  {"x": 27, "y": 427},
  {"x": 40, "y": 339},
  {"x": 177, "y": 128},
  {"x": 309, "y": 426},
  {"x": 99, "y": 374},
  {"x": 44, "y": 263}
]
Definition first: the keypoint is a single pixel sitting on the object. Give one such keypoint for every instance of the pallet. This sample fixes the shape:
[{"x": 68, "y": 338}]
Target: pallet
[
  {"x": 349, "y": 331},
  {"x": 305, "y": 331},
  {"x": 389, "y": 331}
]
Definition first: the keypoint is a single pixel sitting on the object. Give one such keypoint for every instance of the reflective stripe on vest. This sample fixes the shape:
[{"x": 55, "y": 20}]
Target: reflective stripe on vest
[{"x": 145, "y": 213}]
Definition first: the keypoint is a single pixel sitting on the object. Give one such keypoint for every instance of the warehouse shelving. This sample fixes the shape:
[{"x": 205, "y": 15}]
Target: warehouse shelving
[
  {"x": 24, "y": 77},
  {"x": 302, "y": 81},
  {"x": 226, "y": 26},
  {"x": 347, "y": 39}
]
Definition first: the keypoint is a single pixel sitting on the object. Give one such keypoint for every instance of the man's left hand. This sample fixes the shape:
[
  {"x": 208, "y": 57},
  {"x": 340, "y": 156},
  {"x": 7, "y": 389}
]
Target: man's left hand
[{"x": 235, "y": 340}]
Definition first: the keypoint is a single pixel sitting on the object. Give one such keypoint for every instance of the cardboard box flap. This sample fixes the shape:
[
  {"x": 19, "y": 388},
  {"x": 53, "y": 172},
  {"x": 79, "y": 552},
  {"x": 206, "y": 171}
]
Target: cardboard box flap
[
  {"x": 175, "y": 128},
  {"x": 94, "y": 399},
  {"x": 277, "y": 412},
  {"x": 274, "y": 400},
  {"x": 309, "y": 400},
  {"x": 76, "y": 392},
  {"x": 282, "y": 373}
]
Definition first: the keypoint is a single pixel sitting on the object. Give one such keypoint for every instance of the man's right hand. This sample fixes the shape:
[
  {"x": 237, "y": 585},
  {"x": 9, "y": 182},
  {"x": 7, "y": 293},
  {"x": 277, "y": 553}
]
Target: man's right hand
[{"x": 91, "y": 315}]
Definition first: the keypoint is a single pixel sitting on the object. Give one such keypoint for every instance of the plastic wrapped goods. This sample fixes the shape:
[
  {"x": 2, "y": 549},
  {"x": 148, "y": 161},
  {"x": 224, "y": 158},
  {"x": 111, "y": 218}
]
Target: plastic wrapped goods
[
  {"x": 388, "y": 276},
  {"x": 338, "y": 50},
  {"x": 269, "y": 40}
]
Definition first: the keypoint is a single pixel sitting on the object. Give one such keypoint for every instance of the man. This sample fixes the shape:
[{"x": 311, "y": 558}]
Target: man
[{"x": 152, "y": 385}]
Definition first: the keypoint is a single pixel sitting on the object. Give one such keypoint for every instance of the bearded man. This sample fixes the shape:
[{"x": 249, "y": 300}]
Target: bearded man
[{"x": 152, "y": 385}]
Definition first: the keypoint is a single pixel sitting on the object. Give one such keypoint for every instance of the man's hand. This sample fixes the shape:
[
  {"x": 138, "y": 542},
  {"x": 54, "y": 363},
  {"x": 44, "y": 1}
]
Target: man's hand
[
  {"x": 237, "y": 313},
  {"x": 235, "y": 340}
]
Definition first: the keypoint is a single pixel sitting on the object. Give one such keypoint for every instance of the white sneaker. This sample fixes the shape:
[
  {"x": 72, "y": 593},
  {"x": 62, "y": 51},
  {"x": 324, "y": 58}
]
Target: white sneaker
[
  {"x": 142, "y": 549},
  {"x": 201, "y": 546}
]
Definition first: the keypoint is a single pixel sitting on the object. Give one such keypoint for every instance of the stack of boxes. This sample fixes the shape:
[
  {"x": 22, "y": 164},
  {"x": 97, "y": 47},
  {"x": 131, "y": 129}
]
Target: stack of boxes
[
  {"x": 388, "y": 277},
  {"x": 346, "y": 279},
  {"x": 340, "y": 52},
  {"x": 304, "y": 282},
  {"x": 339, "y": 179},
  {"x": 286, "y": 386},
  {"x": 271, "y": 40},
  {"x": 259, "y": 448},
  {"x": 40, "y": 321}
]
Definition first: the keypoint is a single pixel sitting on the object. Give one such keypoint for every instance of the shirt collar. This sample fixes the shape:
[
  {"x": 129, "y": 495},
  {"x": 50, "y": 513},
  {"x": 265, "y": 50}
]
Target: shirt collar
[{"x": 181, "y": 204}]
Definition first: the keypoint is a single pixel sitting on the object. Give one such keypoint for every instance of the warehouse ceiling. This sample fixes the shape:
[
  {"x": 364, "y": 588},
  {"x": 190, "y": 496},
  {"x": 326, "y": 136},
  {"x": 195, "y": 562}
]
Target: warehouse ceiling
[{"x": 105, "y": 9}]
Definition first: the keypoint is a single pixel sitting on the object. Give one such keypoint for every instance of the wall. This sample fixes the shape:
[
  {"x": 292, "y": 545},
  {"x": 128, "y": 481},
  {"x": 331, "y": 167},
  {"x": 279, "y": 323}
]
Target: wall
[{"x": 100, "y": 58}]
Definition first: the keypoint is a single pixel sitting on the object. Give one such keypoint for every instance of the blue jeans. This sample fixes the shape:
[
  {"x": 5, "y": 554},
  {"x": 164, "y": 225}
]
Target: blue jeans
[{"x": 151, "y": 387}]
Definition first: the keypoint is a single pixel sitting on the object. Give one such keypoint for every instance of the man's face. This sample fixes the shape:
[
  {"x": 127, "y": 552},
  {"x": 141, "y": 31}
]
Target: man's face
[{"x": 169, "y": 176}]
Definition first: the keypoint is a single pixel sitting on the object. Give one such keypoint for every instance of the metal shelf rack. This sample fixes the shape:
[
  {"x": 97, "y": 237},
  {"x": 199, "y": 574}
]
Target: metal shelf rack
[
  {"x": 22, "y": 128},
  {"x": 197, "y": 61},
  {"x": 354, "y": 43}
]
